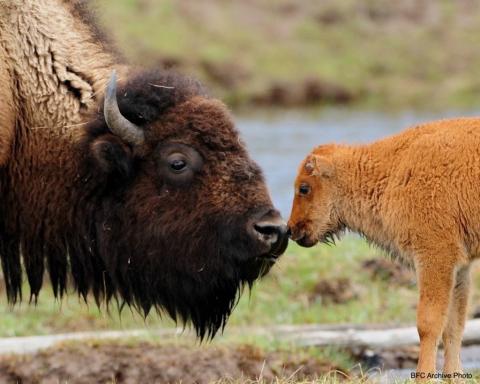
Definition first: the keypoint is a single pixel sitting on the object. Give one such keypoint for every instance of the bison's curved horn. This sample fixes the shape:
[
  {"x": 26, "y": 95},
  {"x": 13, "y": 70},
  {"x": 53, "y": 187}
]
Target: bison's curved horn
[{"x": 118, "y": 124}]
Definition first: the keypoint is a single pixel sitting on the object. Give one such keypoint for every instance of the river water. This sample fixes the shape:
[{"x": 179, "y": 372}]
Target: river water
[{"x": 279, "y": 141}]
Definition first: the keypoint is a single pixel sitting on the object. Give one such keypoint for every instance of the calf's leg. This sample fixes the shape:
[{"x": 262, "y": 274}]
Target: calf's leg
[
  {"x": 436, "y": 280},
  {"x": 452, "y": 334}
]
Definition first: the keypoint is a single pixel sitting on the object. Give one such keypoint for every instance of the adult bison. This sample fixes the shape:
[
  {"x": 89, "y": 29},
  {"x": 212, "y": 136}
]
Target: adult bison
[{"x": 148, "y": 196}]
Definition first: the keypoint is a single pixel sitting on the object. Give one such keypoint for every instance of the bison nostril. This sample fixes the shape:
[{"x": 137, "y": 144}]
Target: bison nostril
[
  {"x": 265, "y": 229},
  {"x": 267, "y": 233},
  {"x": 271, "y": 231}
]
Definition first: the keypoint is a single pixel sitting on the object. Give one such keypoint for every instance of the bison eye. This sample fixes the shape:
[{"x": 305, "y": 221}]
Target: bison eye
[
  {"x": 178, "y": 165},
  {"x": 304, "y": 189}
]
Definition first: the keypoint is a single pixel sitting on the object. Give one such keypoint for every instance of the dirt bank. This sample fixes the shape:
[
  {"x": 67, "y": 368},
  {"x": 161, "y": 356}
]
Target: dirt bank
[{"x": 148, "y": 363}]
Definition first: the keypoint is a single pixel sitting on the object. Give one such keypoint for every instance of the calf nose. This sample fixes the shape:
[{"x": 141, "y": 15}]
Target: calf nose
[
  {"x": 273, "y": 231},
  {"x": 296, "y": 230}
]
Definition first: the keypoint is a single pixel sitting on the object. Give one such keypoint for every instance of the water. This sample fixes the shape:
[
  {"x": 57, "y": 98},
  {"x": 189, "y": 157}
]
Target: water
[{"x": 279, "y": 142}]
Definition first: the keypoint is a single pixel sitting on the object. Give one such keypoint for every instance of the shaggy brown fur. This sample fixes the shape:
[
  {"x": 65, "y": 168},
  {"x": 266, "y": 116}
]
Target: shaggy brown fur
[
  {"x": 416, "y": 195},
  {"x": 115, "y": 215}
]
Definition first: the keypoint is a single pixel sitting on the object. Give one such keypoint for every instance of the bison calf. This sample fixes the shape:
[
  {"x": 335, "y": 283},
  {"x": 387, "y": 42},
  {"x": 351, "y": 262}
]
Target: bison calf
[{"x": 416, "y": 195}]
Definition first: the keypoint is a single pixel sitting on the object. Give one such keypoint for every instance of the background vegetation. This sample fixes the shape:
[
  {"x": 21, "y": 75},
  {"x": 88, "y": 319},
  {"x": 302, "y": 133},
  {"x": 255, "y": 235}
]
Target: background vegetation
[{"x": 288, "y": 52}]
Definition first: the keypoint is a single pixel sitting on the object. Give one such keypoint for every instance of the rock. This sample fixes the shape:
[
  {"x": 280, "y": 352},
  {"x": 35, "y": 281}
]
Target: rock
[{"x": 398, "y": 358}]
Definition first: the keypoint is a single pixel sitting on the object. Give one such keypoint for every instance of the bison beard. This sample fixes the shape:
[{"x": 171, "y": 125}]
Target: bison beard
[
  {"x": 203, "y": 293},
  {"x": 172, "y": 274}
]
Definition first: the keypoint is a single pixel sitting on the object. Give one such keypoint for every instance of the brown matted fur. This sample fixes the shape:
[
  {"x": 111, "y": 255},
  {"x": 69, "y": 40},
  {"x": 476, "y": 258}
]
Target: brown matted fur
[
  {"x": 116, "y": 215},
  {"x": 416, "y": 195}
]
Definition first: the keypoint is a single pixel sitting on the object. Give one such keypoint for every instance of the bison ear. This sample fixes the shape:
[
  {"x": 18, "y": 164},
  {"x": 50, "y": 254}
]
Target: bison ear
[
  {"x": 317, "y": 165},
  {"x": 111, "y": 155}
]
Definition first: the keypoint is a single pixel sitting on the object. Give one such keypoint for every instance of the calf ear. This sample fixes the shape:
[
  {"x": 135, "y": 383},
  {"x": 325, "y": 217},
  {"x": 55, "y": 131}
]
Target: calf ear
[
  {"x": 112, "y": 156},
  {"x": 317, "y": 165}
]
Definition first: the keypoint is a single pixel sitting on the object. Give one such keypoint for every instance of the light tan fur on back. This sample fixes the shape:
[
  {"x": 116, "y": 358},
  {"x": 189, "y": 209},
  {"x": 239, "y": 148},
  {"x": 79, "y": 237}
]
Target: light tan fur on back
[
  {"x": 417, "y": 195},
  {"x": 52, "y": 67},
  {"x": 7, "y": 109}
]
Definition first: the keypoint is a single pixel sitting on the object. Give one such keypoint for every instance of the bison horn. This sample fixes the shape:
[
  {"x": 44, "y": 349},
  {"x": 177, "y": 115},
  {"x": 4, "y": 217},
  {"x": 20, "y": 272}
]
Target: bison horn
[{"x": 117, "y": 123}]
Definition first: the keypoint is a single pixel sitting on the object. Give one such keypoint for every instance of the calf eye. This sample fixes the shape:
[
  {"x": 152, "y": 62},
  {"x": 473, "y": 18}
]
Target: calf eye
[{"x": 304, "y": 189}]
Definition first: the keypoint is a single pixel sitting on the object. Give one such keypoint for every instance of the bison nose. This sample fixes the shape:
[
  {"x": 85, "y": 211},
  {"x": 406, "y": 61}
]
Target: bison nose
[{"x": 273, "y": 231}]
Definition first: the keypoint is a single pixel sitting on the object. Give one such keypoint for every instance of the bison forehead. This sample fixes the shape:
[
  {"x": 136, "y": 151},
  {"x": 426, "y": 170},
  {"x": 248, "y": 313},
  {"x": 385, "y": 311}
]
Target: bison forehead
[
  {"x": 146, "y": 96},
  {"x": 170, "y": 106},
  {"x": 198, "y": 120}
]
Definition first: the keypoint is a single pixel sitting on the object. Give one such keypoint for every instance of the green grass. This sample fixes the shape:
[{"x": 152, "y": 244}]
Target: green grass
[
  {"x": 282, "y": 297},
  {"x": 392, "y": 54},
  {"x": 293, "y": 280}
]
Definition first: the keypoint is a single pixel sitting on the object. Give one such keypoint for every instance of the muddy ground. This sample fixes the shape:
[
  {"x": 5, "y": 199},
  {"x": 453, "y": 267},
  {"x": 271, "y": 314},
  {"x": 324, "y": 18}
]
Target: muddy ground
[
  {"x": 143, "y": 362},
  {"x": 148, "y": 363}
]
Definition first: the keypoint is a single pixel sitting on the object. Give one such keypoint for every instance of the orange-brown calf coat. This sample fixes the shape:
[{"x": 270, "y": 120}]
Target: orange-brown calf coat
[{"x": 416, "y": 195}]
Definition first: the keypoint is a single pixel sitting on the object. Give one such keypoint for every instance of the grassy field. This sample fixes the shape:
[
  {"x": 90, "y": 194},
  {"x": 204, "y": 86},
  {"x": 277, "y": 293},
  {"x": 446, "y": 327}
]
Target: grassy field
[
  {"x": 287, "y": 52},
  {"x": 323, "y": 284}
]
